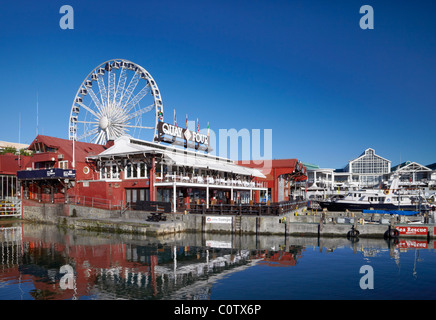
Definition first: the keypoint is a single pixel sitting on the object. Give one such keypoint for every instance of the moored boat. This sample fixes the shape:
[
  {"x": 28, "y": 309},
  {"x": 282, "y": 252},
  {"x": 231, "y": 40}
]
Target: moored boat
[{"x": 388, "y": 199}]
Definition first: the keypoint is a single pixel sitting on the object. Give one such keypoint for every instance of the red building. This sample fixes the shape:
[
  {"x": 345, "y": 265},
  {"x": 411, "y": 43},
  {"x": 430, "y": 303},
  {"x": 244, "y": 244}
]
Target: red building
[
  {"x": 127, "y": 171},
  {"x": 9, "y": 185},
  {"x": 51, "y": 173},
  {"x": 281, "y": 177}
]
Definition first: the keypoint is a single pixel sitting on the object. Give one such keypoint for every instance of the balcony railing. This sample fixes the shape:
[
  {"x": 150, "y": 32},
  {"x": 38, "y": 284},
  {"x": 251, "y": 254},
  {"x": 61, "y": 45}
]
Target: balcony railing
[{"x": 211, "y": 180}]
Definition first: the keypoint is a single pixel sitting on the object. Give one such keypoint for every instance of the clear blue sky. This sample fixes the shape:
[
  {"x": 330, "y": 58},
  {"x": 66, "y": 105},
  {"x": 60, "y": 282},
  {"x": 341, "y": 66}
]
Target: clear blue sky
[{"x": 305, "y": 69}]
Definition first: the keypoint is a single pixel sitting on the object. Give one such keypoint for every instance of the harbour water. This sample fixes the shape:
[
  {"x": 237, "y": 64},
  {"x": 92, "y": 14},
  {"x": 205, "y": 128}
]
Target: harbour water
[{"x": 39, "y": 262}]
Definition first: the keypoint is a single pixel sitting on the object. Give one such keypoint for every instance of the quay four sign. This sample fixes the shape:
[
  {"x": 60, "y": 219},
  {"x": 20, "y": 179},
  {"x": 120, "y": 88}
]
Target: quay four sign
[{"x": 181, "y": 133}]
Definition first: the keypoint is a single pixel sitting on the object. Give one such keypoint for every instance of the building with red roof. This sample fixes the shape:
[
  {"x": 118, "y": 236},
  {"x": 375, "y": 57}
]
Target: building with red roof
[{"x": 281, "y": 176}]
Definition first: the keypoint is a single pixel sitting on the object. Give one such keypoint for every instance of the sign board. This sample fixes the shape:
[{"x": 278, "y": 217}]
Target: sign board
[
  {"x": 172, "y": 134},
  {"x": 54, "y": 173},
  {"x": 225, "y": 220},
  {"x": 412, "y": 231}
]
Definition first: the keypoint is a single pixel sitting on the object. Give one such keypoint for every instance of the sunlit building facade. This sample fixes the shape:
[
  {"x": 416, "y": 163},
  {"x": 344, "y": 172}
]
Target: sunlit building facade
[{"x": 370, "y": 167}]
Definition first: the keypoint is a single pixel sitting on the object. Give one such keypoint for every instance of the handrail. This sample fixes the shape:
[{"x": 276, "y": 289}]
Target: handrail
[
  {"x": 274, "y": 209},
  {"x": 212, "y": 180}
]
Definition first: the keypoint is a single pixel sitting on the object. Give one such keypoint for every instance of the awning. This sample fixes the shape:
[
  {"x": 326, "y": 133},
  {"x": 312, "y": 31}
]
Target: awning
[{"x": 204, "y": 163}]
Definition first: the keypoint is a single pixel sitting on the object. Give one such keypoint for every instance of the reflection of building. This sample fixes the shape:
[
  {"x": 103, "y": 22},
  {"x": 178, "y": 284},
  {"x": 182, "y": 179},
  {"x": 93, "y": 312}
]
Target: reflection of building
[{"x": 108, "y": 271}]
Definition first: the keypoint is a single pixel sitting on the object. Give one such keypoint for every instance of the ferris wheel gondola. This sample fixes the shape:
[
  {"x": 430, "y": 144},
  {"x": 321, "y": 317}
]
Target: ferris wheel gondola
[{"x": 112, "y": 101}]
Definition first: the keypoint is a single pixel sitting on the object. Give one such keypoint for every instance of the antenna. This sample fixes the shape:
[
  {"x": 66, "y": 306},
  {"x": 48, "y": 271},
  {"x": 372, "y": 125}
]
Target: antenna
[
  {"x": 19, "y": 140},
  {"x": 37, "y": 113}
]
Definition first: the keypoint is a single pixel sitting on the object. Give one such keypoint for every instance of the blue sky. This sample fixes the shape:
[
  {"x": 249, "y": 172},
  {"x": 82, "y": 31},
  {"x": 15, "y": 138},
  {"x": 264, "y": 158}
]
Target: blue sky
[{"x": 304, "y": 69}]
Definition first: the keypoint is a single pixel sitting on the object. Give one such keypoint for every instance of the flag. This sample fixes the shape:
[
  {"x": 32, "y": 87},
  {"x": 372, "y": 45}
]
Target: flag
[
  {"x": 208, "y": 130},
  {"x": 186, "y": 121},
  {"x": 198, "y": 126},
  {"x": 175, "y": 119}
]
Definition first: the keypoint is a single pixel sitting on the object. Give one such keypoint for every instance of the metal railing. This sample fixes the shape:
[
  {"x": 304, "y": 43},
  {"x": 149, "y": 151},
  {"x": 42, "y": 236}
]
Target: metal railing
[
  {"x": 10, "y": 207},
  {"x": 87, "y": 201},
  {"x": 256, "y": 209},
  {"x": 211, "y": 180}
]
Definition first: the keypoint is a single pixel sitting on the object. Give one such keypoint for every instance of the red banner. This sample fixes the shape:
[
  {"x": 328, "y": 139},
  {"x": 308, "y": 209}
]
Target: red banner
[{"x": 412, "y": 231}]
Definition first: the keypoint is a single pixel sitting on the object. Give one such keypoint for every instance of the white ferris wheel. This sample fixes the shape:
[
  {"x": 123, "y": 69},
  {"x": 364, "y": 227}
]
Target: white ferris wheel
[{"x": 112, "y": 101}]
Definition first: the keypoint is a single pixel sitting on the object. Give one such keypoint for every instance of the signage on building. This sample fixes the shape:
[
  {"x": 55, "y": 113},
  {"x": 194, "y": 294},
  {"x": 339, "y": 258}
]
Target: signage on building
[
  {"x": 170, "y": 133},
  {"x": 225, "y": 220},
  {"x": 54, "y": 173}
]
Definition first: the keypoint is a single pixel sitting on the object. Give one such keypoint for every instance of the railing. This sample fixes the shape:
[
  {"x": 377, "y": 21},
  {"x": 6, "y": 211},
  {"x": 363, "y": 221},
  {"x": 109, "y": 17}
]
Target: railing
[
  {"x": 212, "y": 180},
  {"x": 258, "y": 209},
  {"x": 93, "y": 202},
  {"x": 10, "y": 207}
]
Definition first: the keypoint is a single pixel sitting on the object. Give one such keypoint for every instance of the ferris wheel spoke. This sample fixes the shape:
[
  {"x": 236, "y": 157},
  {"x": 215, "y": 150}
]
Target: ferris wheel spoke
[
  {"x": 101, "y": 137},
  {"x": 138, "y": 127},
  {"x": 95, "y": 138},
  {"x": 87, "y": 122},
  {"x": 95, "y": 100},
  {"x": 111, "y": 95},
  {"x": 136, "y": 99},
  {"x": 102, "y": 89},
  {"x": 139, "y": 112},
  {"x": 89, "y": 110},
  {"x": 132, "y": 85},
  {"x": 116, "y": 131},
  {"x": 120, "y": 86},
  {"x": 87, "y": 134}
]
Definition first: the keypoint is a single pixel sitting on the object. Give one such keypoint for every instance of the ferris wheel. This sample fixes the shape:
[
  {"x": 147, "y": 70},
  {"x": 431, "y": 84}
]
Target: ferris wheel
[{"x": 112, "y": 101}]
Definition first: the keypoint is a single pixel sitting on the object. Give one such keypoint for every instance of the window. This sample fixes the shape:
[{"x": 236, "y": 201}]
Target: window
[
  {"x": 135, "y": 170},
  {"x": 109, "y": 171},
  {"x": 63, "y": 164}
]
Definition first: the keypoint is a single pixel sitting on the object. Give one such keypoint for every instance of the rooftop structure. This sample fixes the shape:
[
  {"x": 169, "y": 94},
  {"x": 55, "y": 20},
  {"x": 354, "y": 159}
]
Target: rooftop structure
[{"x": 370, "y": 167}]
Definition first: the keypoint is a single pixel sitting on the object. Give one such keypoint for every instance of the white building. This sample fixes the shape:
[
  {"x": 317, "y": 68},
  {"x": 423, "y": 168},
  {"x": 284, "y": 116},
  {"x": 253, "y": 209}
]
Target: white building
[{"x": 370, "y": 167}]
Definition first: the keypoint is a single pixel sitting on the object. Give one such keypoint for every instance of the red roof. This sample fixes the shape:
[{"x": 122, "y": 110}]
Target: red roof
[
  {"x": 269, "y": 164},
  {"x": 277, "y": 167},
  {"x": 65, "y": 147},
  {"x": 9, "y": 163}
]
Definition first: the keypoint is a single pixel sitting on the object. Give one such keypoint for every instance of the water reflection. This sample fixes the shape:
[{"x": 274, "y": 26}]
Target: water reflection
[{"x": 45, "y": 262}]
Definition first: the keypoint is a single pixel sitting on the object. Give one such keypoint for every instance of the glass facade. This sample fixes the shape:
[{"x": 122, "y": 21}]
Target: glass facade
[{"x": 370, "y": 168}]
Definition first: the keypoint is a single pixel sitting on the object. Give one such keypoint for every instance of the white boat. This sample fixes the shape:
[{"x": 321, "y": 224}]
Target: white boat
[{"x": 389, "y": 199}]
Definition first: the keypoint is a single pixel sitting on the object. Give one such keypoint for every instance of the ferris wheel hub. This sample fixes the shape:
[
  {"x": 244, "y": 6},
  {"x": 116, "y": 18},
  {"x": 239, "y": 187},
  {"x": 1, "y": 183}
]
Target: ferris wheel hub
[{"x": 103, "y": 123}]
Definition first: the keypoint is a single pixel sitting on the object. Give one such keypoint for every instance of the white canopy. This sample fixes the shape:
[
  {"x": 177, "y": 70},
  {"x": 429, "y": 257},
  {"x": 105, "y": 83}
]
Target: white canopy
[
  {"x": 206, "y": 163},
  {"x": 125, "y": 145}
]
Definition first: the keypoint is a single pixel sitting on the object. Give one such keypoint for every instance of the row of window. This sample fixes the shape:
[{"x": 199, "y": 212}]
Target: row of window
[{"x": 131, "y": 171}]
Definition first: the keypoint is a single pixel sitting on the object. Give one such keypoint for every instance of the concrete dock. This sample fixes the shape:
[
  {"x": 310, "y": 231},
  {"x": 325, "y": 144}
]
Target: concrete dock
[{"x": 299, "y": 222}]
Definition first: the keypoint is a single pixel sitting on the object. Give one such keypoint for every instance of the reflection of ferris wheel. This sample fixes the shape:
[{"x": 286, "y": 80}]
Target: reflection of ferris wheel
[{"x": 111, "y": 102}]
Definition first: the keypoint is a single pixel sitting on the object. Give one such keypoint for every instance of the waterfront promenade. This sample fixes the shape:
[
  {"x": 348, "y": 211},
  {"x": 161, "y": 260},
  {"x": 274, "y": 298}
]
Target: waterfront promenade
[{"x": 298, "y": 221}]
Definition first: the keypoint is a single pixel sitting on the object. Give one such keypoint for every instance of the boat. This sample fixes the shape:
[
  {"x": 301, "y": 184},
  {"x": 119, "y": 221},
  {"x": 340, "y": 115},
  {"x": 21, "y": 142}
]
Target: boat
[{"x": 392, "y": 199}]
